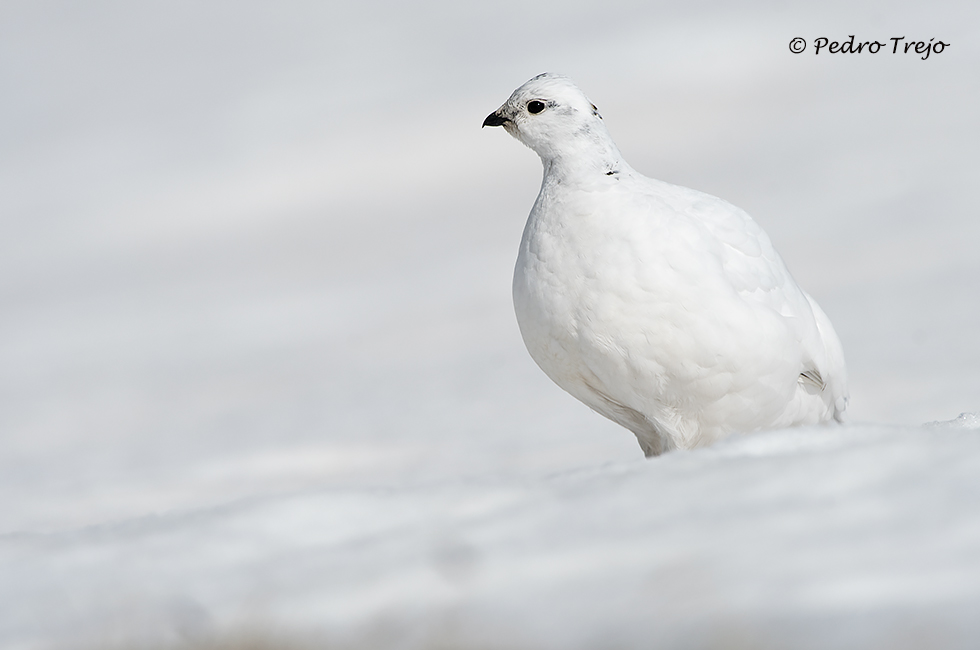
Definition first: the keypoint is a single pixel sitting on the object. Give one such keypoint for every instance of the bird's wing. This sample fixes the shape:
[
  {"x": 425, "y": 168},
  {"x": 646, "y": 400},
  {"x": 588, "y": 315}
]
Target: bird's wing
[
  {"x": 757, "y": 272},
  {"x": 751, "y": 263}
]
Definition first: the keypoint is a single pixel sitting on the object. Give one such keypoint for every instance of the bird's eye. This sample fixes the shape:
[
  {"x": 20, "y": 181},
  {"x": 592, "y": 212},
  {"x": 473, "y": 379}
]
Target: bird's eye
[{"x": 534, "y": 107}]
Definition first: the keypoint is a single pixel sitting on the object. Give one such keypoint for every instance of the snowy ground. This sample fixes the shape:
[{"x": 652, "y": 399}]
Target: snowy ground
[{"x": 259, "y": 367}]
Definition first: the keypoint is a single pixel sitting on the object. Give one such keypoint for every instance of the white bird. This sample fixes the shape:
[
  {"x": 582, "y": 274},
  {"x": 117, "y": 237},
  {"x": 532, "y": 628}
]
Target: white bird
[{"x": 664, "y": 309}]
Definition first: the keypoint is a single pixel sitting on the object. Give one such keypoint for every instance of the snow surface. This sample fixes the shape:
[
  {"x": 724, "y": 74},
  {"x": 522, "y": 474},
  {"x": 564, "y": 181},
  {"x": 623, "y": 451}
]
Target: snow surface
[{"x": 242, "y": 385}]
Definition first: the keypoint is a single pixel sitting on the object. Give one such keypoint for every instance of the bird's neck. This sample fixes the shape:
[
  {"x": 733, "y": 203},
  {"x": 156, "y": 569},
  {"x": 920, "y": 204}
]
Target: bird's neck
[{"x": 588, "y": 161}]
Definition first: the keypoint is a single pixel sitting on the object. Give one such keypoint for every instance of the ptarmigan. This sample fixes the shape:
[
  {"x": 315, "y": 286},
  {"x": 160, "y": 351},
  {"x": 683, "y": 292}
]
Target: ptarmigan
[{"x": 665, "y": 309}]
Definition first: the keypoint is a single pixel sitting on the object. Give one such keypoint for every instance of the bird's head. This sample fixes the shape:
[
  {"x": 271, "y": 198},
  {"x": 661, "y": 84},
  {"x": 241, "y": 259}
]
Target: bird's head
[{"x": 553, "y": 117}]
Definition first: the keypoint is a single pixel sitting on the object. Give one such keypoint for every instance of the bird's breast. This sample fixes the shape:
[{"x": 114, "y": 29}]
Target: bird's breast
[{"x": 586, "y": 291}]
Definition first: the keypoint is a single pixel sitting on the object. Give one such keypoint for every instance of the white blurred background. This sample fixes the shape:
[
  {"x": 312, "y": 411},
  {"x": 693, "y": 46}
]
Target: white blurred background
[{"x": 253, "y": 248}]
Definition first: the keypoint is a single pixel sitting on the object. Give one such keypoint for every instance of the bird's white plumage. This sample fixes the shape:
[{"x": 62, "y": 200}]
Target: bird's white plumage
[{"x": 663, "y": 308}]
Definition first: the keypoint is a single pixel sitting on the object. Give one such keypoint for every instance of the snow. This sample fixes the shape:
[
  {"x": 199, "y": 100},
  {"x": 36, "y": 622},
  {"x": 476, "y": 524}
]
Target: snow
[
  {"x": 242, "y": 389},
  {"x": 815, "y": 535}
]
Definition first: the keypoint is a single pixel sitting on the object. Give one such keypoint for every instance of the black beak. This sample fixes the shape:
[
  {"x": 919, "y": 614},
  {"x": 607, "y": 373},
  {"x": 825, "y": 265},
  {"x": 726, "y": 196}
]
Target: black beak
[{"x": 494, "y": 119}]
